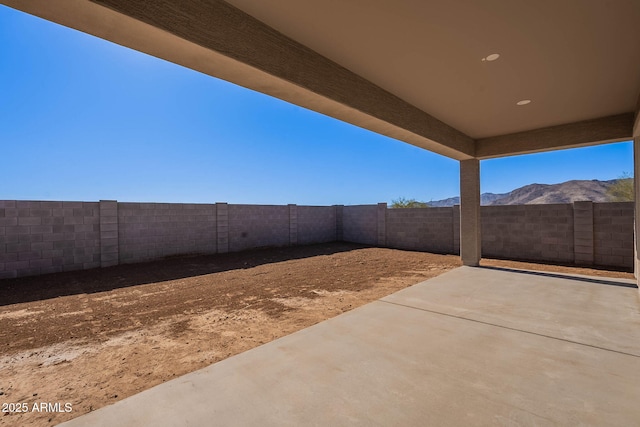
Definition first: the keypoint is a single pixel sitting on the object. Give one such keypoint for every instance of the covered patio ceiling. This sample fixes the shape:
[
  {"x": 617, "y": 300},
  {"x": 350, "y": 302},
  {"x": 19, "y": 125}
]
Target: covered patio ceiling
[{"x": 415, "y": 70}]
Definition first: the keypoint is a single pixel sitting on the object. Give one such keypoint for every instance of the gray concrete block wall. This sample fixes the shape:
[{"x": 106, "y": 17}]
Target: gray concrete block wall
[
  {"x": 456, "y": 229},
  {"x": 222, "y": 227},
  {"x": 44, "y": 237},
  {"x": 439, "y": 231},
  {"x": 109, "y": 243},
  {"x": 316, "y": 224},
  {"x": 613, "y": 234},
  {"x": 360, "y": 224},
  {"x": 339, "y": 209},
  {"x": 421, "y": 229},
  {"x": 255, "y": 226},
  {"x": 382, "y": 224},
  {"x": 528, "y": 232},
  {"x": 39, "y": 237},
  {"x": 293, "y": 225},
  {"x": 583, "y": 232},
  {"x": 148, "y": 231}
]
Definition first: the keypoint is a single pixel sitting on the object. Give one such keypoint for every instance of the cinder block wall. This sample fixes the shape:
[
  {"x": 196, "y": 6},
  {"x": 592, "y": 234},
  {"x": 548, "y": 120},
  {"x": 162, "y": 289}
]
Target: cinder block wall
[
  {"x": 255, "y": 226},
  {"x": 316, "y": 224},
  {"x": 149, "y": 231},
  {"x": 48, "y": 237},
  {"x": 45, "y": 237},
  {"x": 360, "y": 224},
  {"x": 531, "y": 232},
  {"x": 613, "y": 234},
  {"x": 421, "y": 229}
]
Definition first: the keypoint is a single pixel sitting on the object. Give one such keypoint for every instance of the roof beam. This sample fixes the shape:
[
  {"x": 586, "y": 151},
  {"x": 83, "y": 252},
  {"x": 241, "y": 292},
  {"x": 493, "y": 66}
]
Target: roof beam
[
  {"x": 573, "y": 135},
  {"x": 220, "y": 40}
]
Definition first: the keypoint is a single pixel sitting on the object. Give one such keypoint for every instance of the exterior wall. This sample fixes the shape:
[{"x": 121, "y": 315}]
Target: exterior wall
[
  {"x": 149, "y": 231},
  {"x": 360, "y": 224},
  {"x": 339, "y": 222},
  {"x": 109, "y": 243},
  {"x": 456, "y": 229},
  {"x": 421, "y": 229},
  {"x": 382, "y": 224},
  {"x": 528, "y": 232},
  {"x": 583, "y": 232},
  {"x": 255, "y": 226},
  {"x": 293, "y": 225},
  {"x": 316, "y": 224},
  {"x": 613, "y": 234},
  {"x": 48, "y": 237},
  {"x": 222, "y": 227}
]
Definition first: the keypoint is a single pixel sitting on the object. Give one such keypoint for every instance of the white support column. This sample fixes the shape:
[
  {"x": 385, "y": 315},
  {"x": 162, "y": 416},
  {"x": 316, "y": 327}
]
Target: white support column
[
  {"x": 470, "y": 243},
  {"x": 636, "y": 194}
]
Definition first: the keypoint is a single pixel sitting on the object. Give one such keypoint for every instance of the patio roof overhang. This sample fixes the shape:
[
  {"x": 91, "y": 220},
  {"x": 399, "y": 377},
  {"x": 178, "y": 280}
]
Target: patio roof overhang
[{"x": 414, "y": 70}]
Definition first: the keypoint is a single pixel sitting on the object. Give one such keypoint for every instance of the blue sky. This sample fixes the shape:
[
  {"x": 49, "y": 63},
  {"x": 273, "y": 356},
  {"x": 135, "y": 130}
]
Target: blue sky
[{"x": 84, "y": 119}]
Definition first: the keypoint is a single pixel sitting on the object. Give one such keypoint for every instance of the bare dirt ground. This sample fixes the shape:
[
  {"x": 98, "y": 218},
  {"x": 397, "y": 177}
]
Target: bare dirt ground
[{"x": 91, "y": 338}]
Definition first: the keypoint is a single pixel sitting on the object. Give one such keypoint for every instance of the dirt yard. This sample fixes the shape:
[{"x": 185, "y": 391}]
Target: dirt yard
[{"x": 87, "y": 339}]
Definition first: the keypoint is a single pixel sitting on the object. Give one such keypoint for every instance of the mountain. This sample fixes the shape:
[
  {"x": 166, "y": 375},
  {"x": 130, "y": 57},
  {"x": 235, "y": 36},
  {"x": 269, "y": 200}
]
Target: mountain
[
  {"x": 485, "y": 199},
  {"x": 536, "y": 194}
]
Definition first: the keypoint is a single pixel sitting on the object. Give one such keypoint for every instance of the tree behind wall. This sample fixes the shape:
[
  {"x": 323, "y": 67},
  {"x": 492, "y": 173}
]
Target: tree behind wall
[
  {"x": 407, "y": 203},
  {"x": 622, "y": 189}
]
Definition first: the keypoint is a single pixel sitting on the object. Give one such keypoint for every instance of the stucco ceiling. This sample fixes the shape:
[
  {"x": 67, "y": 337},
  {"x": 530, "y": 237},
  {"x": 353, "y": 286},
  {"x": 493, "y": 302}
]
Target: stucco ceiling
[{"x": 575, "y": 59}]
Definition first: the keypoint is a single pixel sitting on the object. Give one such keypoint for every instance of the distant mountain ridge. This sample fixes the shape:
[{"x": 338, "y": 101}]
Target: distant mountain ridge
[{"x": 537, "y": 194}]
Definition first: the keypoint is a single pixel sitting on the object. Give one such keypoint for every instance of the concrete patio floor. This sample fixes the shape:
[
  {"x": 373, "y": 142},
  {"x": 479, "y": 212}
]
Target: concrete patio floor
[{"x": 474, "y": 346}]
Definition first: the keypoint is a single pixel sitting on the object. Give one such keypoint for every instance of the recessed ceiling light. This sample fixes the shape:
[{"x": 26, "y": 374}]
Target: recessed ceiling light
[
  {"x": 491, "y": 57},
  {"x": 524, "y": 102}
]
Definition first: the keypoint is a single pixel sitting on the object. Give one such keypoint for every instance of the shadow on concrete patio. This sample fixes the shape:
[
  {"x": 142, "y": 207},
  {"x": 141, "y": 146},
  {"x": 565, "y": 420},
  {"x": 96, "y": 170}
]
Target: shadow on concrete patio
[{"x": 600, "y": 281}]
